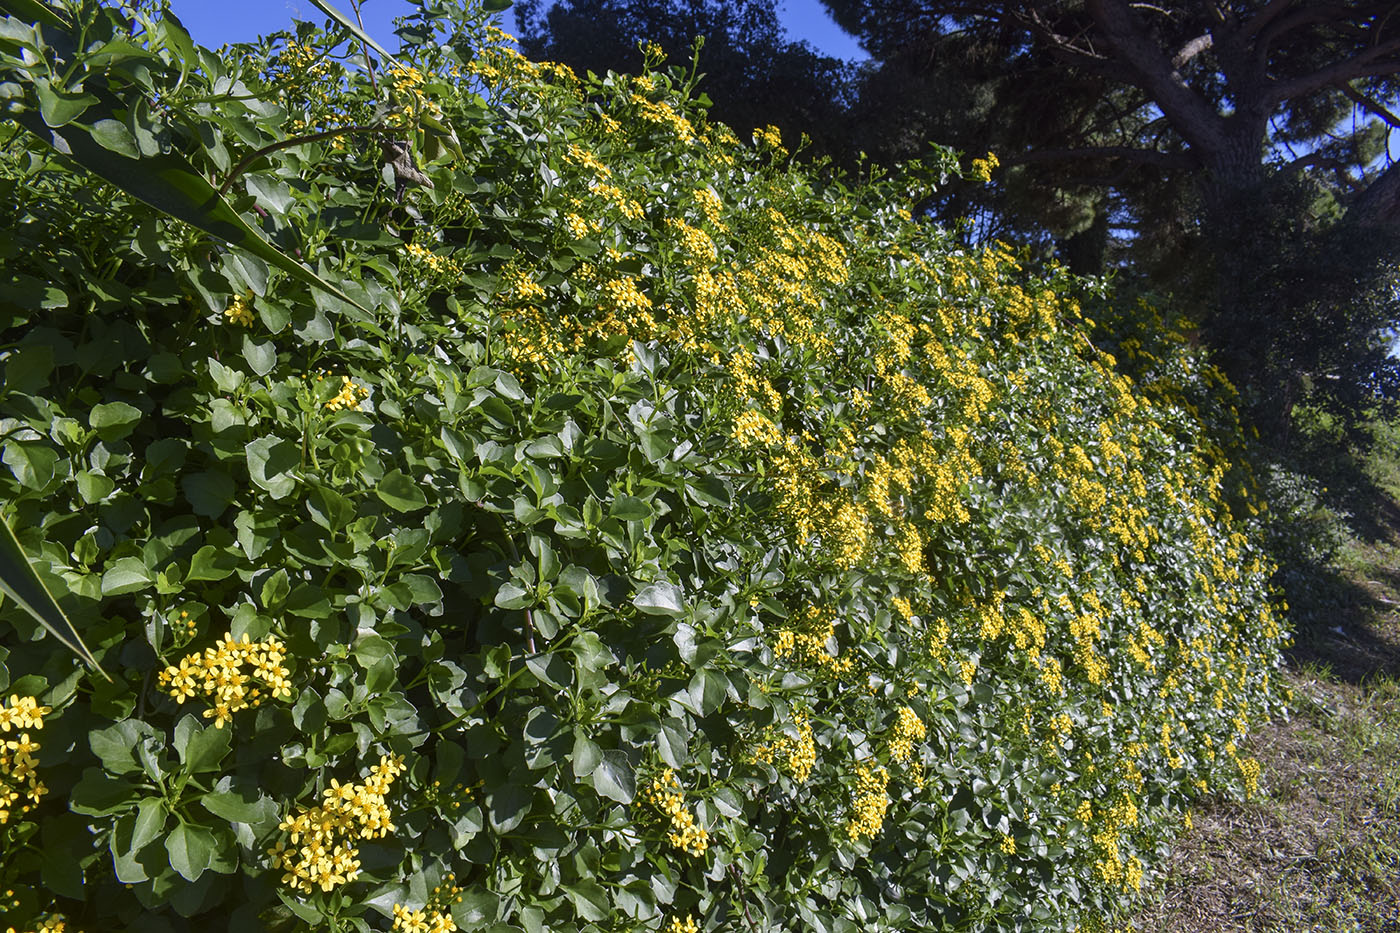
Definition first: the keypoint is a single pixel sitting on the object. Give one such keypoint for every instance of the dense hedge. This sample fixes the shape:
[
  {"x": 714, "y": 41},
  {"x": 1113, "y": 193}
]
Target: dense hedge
[{"x": 679, "y": 540}]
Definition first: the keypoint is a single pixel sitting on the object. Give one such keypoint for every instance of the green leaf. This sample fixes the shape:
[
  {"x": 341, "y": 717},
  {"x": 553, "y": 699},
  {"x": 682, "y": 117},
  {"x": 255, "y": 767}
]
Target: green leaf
[
  {"x": 125, "y": 575},
  {"x": 708, "y": 688},
  {"x": 552, "y": 669},
  {"x": 99, "y": 794},
  {"x": 115, "y": 746},
  {"x": 497, "y": 6},
  {"x": 262, "y": 357},
  {"x": 508, "y": 805},
  {"x": 673, "y": 743},
  {"x": 275, "y": 590},
  {"x": 589, "y": 899},
  {"x": 211, "y": 563},
  {"x": 205, "y": 748},
  {"x": 113, "y": 134},
  {"x": 586, "y": 756},
  {"x": 150, "y": 822},
  {"x": 329, "y": 509},
  {"x": 34, "y": 11},
  {"x": 709, "y": 490},
  {"x": 630, "y": 508},
  {"x": 94, "y": 487},
  {"x": 613, "y": 777},
  {"x": 58, "y": 108},
  {"x": 660, "y": 599},
  {"x": 240, "y": 806},
  {"x": 172, "y": 186},
  {"x": 399, "y": 492},
  {"x": 191, "y": 849},
  {"x": 270, "y": 465},
  {"x": 272, "y": 193},
  {"x": 208, "y": 493},
  {"x": 32, "y": 464},
  {"x": 114, "y": 420},
  {"x": 513, "y": 596}
]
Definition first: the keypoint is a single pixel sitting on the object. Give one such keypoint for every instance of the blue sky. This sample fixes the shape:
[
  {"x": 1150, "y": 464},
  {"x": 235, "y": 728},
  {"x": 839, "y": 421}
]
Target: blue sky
[{"x": 215, "y": 22}]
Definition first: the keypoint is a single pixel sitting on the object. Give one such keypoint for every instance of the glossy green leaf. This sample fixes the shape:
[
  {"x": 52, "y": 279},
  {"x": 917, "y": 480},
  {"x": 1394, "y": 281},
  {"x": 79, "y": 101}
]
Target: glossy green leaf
[
  {"x": 400, "y": 492},
  {"x": 660, "y": 599},
  {"x": 170, "y": 185},
  {"x": 191, "y": 850},
  {"x": 614, "y": 778},
  {"x": 126, "y": 575},
  {"x": 240, "y": 807},
  {"x": 19, "y": 582}
]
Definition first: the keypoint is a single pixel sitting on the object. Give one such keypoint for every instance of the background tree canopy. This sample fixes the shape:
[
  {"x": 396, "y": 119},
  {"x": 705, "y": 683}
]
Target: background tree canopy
[
  {"x": 1240, "y": 149},
  {"x": 753, "y": 73}
]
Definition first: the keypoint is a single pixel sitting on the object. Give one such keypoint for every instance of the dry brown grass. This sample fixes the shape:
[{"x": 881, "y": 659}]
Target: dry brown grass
[{"x": 1319, "y": 848}]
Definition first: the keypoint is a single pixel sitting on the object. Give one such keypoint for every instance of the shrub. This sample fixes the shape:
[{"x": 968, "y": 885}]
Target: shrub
[{"x": 660, "y": 536}]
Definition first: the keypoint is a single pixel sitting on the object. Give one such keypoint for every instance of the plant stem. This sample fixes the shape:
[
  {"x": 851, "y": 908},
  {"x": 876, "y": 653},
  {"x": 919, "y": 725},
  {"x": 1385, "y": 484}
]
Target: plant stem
[{"x": 295, "y": 141}]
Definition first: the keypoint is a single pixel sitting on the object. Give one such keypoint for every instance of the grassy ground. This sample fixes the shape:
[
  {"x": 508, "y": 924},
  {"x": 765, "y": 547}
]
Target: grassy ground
[{"x": 1319, "y": 849}]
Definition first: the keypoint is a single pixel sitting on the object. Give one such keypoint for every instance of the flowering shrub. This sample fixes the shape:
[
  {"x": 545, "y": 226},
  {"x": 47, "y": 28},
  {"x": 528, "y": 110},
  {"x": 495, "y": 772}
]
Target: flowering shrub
[{"x": 665, "y": 538}]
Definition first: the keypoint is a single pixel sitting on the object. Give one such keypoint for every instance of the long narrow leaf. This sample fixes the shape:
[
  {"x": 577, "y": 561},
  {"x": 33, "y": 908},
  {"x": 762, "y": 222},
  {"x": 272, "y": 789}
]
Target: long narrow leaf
[
  {"x": 20, "y": 583},
  {"x": 172, "y": 186},
  {"x": 354, "y": 28},
  {"x": 32, "y": 11}
]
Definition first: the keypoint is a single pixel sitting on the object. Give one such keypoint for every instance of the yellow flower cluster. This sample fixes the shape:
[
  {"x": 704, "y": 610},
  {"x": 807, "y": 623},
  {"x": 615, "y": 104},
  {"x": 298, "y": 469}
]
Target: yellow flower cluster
[
  {"x": 219, "y": 674},
  {"x": 349, "y": 397},
  {"x": 1111, "y": 866},
  {"x": 798, "y": 754},
  {"x": 577, "y": 155},
  {"x": 432, "y": 265},
  {"x": 183, "y": 627},
  {"x": 576, "y": 226},
  {"x": 435, "y": 916},
  {"x": 406, "y": 85},
  {"x": 807, "y": 642},
  {"x": 50, "y": 924},
  {"x": 19, "y": 779},
  {"x": 522, "y": 287},
  {"x": 665, "y": 794},
  {"x": 871, "y": 800},
  {"x": 501, "y": 67},
  {"x": 711, "y": 206},
  {"x": 408, "y": 920},
  {"x": 623, "y": 294},
  {"x": 320, "y": 850},
  {"x": 908, "y": 729},
  {"x": 663, "y": 114},
  {"x": 694, "y": 242},
  {"x": 769, "y": 136},
  {"x": 754, "y": 429},
  {"x": 982, "y": 168},
  {"x": 240, "y": 311},
  {"x": 684, "y": 924}
]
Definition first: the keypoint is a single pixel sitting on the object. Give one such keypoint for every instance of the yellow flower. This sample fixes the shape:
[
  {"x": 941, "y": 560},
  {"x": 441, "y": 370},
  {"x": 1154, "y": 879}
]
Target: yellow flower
[
  {"x": 871, "y": 801},
  {"x": 320, "y": 850},
  {"x": 665, "y": 795},
  {"x": 349, "y": 396},
  {"x": 239, "y": 312},
  {"x": 232, "y": 675},
  {"x": 982, "y": 168}
]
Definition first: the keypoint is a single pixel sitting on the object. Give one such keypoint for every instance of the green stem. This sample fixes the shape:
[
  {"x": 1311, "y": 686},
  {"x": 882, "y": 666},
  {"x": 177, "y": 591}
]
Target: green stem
[{"x": 295, "y": 141}]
